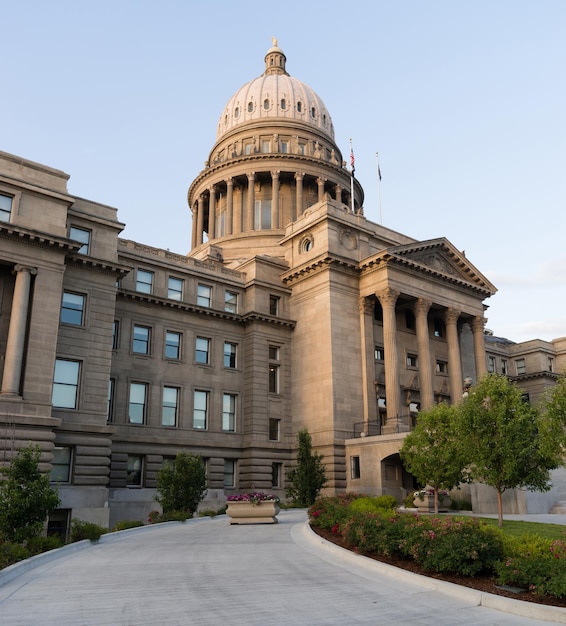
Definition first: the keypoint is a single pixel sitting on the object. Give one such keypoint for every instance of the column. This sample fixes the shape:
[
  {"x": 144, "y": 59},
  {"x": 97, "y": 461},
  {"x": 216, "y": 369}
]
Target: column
[
  {"x": 194, "y": 228},
  {"x": 338, "y": 191},
  {"x": 388, "y": 298},
  {"x": 422, "y": 307},
  {"x": 275, "y": 199},
  {"x": 212, "y": 213},
  {"x": 229, "y": 206},
  {"x": 200, "y": 219},
  {"x": 299, "y": 201},
  {"x": 249, "y": 221},
  {"x": 368, "y": 362},
  {"x": 478, "y": 324},
  {"x": 454, "y": 363},
  {"x": 13, "y": 361},
  {"x": 320, "y": 183}
]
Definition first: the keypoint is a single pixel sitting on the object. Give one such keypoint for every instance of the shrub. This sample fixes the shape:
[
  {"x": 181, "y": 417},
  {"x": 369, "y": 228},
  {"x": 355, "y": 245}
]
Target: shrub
[
  {"x": 37, "y": 545},
  {"x": 181, "y": 486},
  {"x": 86, "y": 530},
  {"x": 328, "y": 511},
  {"x": 367, "y": 504},
  {"x": 170, "y": 516},
  {"x": 126, "y": 524},
  {"x": 408, "y": 502},
  {"x": 309, "y": 476},
  {"x": 11, "y": 553},
  {"x": 461, "y": 503}
]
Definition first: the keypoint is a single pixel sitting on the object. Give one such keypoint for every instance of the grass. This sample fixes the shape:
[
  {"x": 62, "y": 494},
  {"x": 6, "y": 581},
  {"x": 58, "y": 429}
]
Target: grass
[{"x": 517, "y": 528}]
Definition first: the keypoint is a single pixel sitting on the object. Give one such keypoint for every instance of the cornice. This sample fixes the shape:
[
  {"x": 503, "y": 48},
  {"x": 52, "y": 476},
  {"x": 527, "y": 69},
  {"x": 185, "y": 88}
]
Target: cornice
[
  {"x": 319, "y": 265},
  {"x": 99, "y": 265},
  {"x": 37, "y": 238}
]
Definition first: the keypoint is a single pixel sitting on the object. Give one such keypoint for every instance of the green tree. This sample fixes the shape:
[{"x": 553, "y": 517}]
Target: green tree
[
  {"x": 431, "y": 452},
  {"x": 26, "y": 497},
  {"x": 554, "y": 406},
  {"x": 507, "y": 442},
  {"x": 309, "y": 476},
  {"x": 181, "y": 486}
]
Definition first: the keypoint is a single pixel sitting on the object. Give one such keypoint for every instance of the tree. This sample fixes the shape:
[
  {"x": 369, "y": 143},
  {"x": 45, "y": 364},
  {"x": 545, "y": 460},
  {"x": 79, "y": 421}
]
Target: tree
[
  {"x": 309, "y": 476},
  {"x": 26, "y": 497},
  {"x": 431, "y": 452},
  {"x": 507, "y": 443},
  {"x": 554, "y": 407},
  {"x": 181, "y": 486}
]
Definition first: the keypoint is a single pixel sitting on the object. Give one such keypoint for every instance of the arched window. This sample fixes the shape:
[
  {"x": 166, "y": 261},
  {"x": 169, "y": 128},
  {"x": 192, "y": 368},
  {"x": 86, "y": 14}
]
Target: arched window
[
  {"x": 300, "y": 107},
  {"x": 250, "y": 107},
  {"x": 283, "y": 104},
  {"x": 266, "y": 104},
  {"x": 237, "y": 112}
]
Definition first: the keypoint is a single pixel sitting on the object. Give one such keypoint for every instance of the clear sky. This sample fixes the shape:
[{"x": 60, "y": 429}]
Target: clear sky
[{"x": 464, "y": 101}]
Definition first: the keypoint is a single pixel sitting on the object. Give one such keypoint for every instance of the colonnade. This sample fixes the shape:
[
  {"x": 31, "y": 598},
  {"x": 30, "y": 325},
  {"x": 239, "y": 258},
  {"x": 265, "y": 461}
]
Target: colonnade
[
  {"x": 392, "y": 359},
  {"x": 15, "y": 346}
]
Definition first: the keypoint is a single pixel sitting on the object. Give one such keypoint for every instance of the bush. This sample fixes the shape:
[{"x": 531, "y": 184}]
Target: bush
[
  {"x": 409, "y": 501},
  {"x": 170, "y": 516},
  {"x": 309, "y": 476},
  {"x": 373, "y": 504},
  {"x": 126, "y": 524},
  {"x": 37, "y": 545},
  {"x": 329, "y": 511},
  {"x": 86, "y": 530},
  {"x": 182, "y": 486},
  {"x": 11, "y": 553},
  {"x": 461, "y": 503}
]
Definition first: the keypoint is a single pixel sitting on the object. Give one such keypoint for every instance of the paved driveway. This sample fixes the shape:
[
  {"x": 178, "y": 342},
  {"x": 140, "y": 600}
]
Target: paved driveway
[{"x": 208, "y": 572}]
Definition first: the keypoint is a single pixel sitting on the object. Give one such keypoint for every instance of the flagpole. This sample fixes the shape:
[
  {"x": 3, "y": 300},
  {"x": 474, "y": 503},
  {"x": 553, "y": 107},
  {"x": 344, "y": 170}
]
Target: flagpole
[
  {"x": 378, "y": 187},
  {"x": 352, "y": 163}
]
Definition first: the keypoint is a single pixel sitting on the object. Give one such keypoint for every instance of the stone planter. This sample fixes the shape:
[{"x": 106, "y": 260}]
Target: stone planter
[
  {"x": 426, "y": 504},
  {"x": 263, "y": 512}
]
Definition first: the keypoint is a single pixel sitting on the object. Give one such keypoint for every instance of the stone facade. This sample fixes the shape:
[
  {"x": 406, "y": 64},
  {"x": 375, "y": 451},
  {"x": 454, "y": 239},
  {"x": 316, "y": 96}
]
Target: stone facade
[{"x": 291, "y": 310}]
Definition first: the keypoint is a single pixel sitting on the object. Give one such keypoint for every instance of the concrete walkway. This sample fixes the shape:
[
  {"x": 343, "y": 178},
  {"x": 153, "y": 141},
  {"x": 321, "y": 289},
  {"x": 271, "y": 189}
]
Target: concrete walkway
[{"x": 208, "y": 572}]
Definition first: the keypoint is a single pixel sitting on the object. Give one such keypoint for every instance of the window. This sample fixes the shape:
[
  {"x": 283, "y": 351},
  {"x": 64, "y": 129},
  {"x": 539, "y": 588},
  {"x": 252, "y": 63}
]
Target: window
[
  {"x": 229, "y": 473},
  {"x": 72, "y": 308},
  {"x": 355, "y": 467},
  {"x": 135, "y": 470},
  {"x": 202, "y": 350},
  {"x": 379, "y": 353},
  {"x": 284, "y": 147},
  {"x": 262, "y": 215},
  {"x": 5, "y": 208},
  {"x": 273, "y": 305},
  {"x": 59, "y": 523},
  {"x": 491, "y": 363},
  {"x": 412, "y": 360},
  {"x": 299, "y": 107},
  {"x": 504, "y": 368},
  {"x": 274, "y": 428},
  {"x": 441, "y": 367},
  {"x": 172, "y": 345},
  {"x": 65, "y": 384},
  {"x": 248, "y": 148},
  {"x": 82, "y": 236},
  {"x": 229, "y": 412},
  {"x": 175, "y": 288},
  {"x": 200, "y": 410},
  {"x": 204, "y": 295},
  {"x": 409, "y": 320},
  {"x": 378, "y": 311},
  {"x": 283, "y": 104},
  {"x": 138, "y": 400},
  {"x": 550, "y": 364},
  {"x": 439, "y": 328},
  {"x": 266, "y": 146},
  {"x": 144, "y": 281},
  {"x": 110, "y": 404},
  {"x": 274, "y": 369},
  {"x": 230, "y": 302},
  {"x": 61, "y": 465},
  {"x": 115, "y": 334},
  {"x": 521, "y": 366},
  {"x": 276, "y": 474},
  {"x": 266, "y": 104},
  {"x": 140, "y": 344},
  {"x": 170, "y": 406},
  {"x": 230, "y": 354}
]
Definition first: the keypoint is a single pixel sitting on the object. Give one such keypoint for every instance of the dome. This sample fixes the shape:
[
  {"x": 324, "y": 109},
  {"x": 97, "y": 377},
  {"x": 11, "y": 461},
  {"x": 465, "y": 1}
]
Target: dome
[{"x": 275, "y": 96}]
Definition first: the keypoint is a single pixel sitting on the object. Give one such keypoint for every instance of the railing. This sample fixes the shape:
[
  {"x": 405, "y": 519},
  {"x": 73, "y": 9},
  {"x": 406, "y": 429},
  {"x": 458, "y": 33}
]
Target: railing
[{"x": 394, "y": 425}]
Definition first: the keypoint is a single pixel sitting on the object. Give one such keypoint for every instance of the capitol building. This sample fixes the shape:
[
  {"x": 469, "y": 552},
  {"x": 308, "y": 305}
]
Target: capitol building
[{"x": 291, "y": 310}]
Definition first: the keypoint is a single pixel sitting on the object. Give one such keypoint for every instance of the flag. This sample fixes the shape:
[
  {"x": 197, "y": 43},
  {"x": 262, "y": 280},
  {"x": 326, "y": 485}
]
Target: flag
[
  {"x": 352, "y": 160},
  {"x": 378, "y": 168}
]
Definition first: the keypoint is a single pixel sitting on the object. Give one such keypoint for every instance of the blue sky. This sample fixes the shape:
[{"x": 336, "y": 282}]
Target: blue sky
[{"x": 464, "y": 101}]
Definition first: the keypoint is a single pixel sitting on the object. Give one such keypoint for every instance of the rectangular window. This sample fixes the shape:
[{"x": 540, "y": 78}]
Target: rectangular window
[
  {"x": 439, "y": 328},
  {"x": 73, "y": 308},
  {"x": 248, "y": 149},
  {"x": 504, "y": 367},
  {"x": 229, "y": 412},
  {"x": 276, "y": 474},
  {"x": 521, "y": 366},
  {"x": 274, "y": 369},
  {"x": 230, "y": 354},
  {"x": 265, "y": 146},
  {"x": 110, "y": 404},
  {"x": 175, "y": 288},
  {"x": 229, "y": 473},
  {"x": 490, "y": 363},
  {"x": 200, "y": 410},
  {"x": 355, "y": 467},
  {"x": 262, "y": 215},
  {"x": 230, "y": 302},
  {"x": 115, "y": 334},
  {"x": 135, "y": 470},
  {"x": 274, "y": 429},
  {"x": 441, "y": 367},
  {"x": 61, "y": 465},
  {"x": 409, "y": 320},
  {"x": 550, "y": 364},
  {"x": 202, "y": 350},
  {"x": 172, "y": 345},
  {"x": 65, "y": 384},
  {"x": 170, "y": 407},
  {"x": 140, "y": 343},
  {"x": 378, "y": 353},
  {"x": 5, "y": 207},
  {"x": 82, "y": 236},
  {"x": 144, "y": 281},
  {"x": 137, "y": 404},
  {"x": 284, "y": 147},
  {"x": 273, "y": 305},
  {"x": 204, "y": 295},
  {"x": 412, "y": 360}
]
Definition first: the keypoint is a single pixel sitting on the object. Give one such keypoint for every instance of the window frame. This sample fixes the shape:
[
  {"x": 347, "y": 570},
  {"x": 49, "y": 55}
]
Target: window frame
[
  {"x": 110, "y": 401},
  {"x": 132, "y": 419},
  {"x": 229, "y": 471},
  {"x": 60, "y": 385},
  {"x": 204, "y": 300},
  {"x": 276, "y": 474},
  {"x": 274, "y": 370},
  {"x": 170, "y": 345},
  {"x": 274, "y": 304},
  {"x": 166, "y": 406},
  {"x": 144, "y": 286},
  {"x": 86, "y": 245},
  {"x": 175, "y": 293},
  {"x": 230, "y": 358},
  {"x": 262, "y": 215},
  {"x": 231, "y": 304},
  {"x": 200, "y": 351},
  {"x": 229, "y": 415},
  {"x": 520, "y": 366},
  {"x": 442, "y": 367},
  {"x": 412, "y": 361},
  {"x": 9, "y": 212},
  {"x": 72, "y": 311},
  {"x": 355, "y": 471},
  {"x": 274, "y": 429},
  {"x": 379, "y": 354},
  {"x": 138, "y": 342},
  {"x": 203, "y": 413},
  {"x": 68, "y": 464},
  {"x": 138, "y": 484}
]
